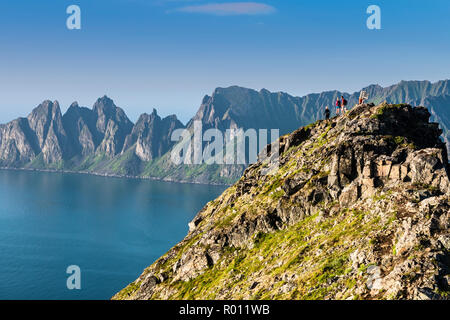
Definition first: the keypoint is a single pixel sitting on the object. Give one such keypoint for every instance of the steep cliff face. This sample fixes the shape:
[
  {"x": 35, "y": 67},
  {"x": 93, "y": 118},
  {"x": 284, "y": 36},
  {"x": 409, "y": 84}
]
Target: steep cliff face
[
  {"x": 112, "y": 126},
  {"x": 151, "y": 135},
  {"x": 99, "y": 140},
  {"x": 434, "y": 96},
  {"x": 41, "y": 133},
  {"x": 46, "y": 122},
  {"x": 358, "y": 208},
  {"x": 80, "y": 125},
  {"x": 18, "y": 144},
  {"x": 46, "y": 139}
]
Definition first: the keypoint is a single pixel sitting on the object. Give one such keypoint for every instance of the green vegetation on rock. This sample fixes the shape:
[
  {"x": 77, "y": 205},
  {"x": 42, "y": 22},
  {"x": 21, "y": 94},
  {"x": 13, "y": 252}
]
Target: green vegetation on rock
[{"x": 342, "y": 218}]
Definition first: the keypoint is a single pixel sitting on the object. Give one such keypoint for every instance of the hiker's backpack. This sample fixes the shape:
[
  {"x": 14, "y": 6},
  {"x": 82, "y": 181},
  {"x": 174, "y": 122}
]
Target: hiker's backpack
[{"x": 345, "y": 102}]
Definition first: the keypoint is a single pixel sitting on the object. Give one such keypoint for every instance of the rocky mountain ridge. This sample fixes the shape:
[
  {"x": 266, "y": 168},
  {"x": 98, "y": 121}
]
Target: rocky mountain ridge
[
  {"x": 46, "y": 139},
  {"x": 357, "y": 209},
  {"x": 102, "y": 140}
]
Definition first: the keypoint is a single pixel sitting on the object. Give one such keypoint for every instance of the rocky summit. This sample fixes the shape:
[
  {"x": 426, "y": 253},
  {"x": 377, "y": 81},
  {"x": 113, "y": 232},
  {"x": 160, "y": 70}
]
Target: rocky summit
[{"x": 358, "y": 209}]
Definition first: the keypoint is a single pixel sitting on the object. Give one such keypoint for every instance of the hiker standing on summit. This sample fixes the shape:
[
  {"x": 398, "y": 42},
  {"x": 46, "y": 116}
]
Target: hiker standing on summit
[
  {"x": 338, "y": 106},
  {"x": 363, "y": 96},
  {"x": 327, "y": 113},
  {"x": 344, "y": 103}
]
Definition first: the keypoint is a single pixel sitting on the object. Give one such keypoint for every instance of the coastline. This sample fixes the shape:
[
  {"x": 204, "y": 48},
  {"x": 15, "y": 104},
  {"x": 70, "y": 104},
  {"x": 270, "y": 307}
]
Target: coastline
[{"x": 110, "y": 175}]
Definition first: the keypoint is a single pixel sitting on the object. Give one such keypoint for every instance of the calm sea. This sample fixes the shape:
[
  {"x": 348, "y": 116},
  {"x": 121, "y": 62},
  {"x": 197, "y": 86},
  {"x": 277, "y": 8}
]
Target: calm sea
[{"x": 111, "y": 228}]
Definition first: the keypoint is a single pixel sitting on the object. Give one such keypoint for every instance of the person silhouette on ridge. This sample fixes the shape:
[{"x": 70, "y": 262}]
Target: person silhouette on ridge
[{"x": 327, "y": 113}]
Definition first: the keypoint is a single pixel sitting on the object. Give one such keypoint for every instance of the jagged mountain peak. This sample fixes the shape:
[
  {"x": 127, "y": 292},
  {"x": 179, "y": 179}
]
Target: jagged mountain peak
[
  {"x": 47, "y": 131},
  {"x": 146, "y": 117},
  {"x": 358, "y": 208},
  {"x": 205, "y": 99},
  {"x": 104, "y": 105},
  {"x": 112, "y": 125},
  {"x": 154, "y": 115},
  {"x": 74, "y": 105},
  {"x": 151, "y": 135},
  {"x": 105, "y": 99},
  {"x": 46, "y": 107}
]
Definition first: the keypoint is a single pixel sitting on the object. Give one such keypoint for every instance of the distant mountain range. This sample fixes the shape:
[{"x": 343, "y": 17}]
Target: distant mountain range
[{"x": 102, "y": 140}]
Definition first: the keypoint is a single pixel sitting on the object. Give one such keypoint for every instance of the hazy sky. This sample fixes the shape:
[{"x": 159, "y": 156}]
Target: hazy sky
[{"x": 168, "y": 54}]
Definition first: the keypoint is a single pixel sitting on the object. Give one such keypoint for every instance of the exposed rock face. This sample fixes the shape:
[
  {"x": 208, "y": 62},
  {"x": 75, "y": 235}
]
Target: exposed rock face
[
  {"x": 22, "y": 140},
  {"x": 357, "y": 209},
  {"x": 18, "y": 143},
  {"x": 107, "y": 130},
  {"x": 46, "y": 122},
  {"x": 45, "y": 139},
  {"x": 152, "y": 135},
  {"x": 434, "y": 96},
  {"x": 80, "y": 124},
  {"x": 112, "y": 126}
]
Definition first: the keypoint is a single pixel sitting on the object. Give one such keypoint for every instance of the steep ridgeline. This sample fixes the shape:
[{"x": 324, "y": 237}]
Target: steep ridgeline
[
  {"x": 103, "y": 140},
  {"x": 88, "y": 140},
  {"x": 101, "y": 130},
  {"x": 151, "y": 135},
  {"x": 42, "y": 133},
  {"x": 236, "y": 107},
  {"x": 358, "y": 209}
]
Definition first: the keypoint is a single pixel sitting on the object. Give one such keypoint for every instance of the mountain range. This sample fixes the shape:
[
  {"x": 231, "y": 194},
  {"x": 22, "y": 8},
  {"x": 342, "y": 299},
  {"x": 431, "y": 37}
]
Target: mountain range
[{"x": 102, "y": 139}]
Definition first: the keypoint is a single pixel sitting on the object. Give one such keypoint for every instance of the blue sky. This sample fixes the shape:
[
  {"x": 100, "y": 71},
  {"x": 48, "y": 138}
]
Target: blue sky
[{"x": 168, "y": 54}]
